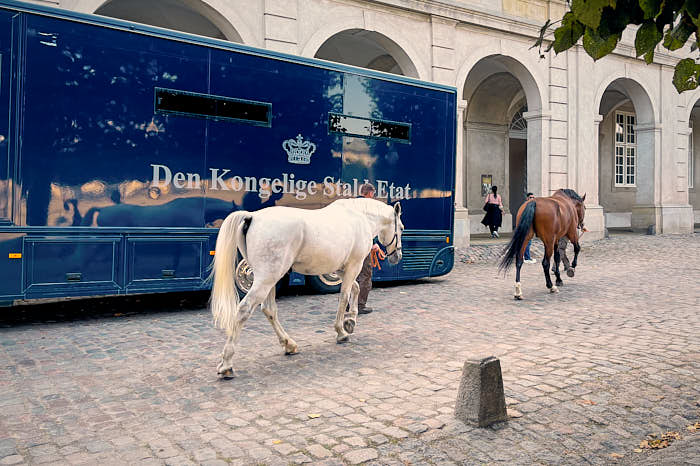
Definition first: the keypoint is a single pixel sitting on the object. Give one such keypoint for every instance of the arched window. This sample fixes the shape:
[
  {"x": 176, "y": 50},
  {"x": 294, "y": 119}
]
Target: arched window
[{"x": 518, "y": 125}]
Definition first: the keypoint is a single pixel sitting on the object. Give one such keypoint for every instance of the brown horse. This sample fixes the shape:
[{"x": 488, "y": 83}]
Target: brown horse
[{"x": 550, "y": 218}]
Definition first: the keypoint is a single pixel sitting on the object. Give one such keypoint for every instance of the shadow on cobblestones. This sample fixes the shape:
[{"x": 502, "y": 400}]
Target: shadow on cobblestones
[
  {"x": 75, "y": 309},
  {"x": 67, "y": 310}
]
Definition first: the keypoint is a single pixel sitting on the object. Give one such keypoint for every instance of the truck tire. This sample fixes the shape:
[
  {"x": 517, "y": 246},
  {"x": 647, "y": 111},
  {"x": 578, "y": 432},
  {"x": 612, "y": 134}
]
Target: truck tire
[
  {"x": 243, "y": 278},
  {"x": 326, "y": 283}
]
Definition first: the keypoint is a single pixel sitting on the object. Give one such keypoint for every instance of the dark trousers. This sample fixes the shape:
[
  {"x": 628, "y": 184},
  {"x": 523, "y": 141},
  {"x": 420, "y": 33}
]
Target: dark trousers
[{"x": 364, "y": 279}]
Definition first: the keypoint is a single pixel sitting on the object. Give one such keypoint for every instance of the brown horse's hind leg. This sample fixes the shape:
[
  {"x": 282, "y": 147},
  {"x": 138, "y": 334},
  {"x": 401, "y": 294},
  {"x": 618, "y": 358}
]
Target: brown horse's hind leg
[
  {"x": 548, "y": 252},
  {"x": 518, "y": 265},
  {"x": 557, "y": 259},
  {"x": 563, "y": 243},
  {"x": 573, "y": 237}
]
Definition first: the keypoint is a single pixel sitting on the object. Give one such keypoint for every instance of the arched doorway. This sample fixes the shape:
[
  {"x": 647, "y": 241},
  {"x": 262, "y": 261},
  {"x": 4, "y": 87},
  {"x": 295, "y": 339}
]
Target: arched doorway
[
  {"x": 499, "y": 147},
  {"x": 180, "y": 15},
  {"x": 626, "y": 151},
  {"x": 367, "y": 49}
]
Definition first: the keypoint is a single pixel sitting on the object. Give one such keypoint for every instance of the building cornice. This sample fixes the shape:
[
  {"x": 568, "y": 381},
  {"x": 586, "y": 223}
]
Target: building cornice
[{"x": 516, "y": 25}]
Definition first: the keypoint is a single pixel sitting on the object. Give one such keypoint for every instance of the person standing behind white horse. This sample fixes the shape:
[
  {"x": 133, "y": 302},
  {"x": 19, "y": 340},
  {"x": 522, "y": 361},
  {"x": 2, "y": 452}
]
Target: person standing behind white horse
[{"x": 364, "y": 279}]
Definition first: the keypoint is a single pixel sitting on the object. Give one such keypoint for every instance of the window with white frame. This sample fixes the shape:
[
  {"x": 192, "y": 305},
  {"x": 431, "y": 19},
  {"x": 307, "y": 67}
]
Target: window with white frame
[
  {"x": 625, "y": 149},
  {"x": 691, "y": 158}
]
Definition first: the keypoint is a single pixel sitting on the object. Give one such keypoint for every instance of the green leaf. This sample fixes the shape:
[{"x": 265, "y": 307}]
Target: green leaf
[
  {"x": 588, "y": 12},
  {"x": 693, "y": 10},
  {"x": 649, "y": 56},
  {"x": 687, "y": 75},
  {"x": 630, "y": 9},
  {"x": 597, "y": 47},
  {"x": 613, "y": 22},
  {"x": 647, "y": 37},
  {"x": 651, "y": 8},
  {"x": 566, "y": 35},
  {"x": 678, "y": 36}
]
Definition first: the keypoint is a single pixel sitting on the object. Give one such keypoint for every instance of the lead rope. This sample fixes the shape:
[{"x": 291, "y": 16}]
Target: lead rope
[{"x": 375, "y": 256}]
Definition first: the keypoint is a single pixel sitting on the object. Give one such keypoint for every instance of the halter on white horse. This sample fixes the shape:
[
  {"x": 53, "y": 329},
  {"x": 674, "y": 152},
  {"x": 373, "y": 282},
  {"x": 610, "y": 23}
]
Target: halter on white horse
[{"x": 336, "y": 238}]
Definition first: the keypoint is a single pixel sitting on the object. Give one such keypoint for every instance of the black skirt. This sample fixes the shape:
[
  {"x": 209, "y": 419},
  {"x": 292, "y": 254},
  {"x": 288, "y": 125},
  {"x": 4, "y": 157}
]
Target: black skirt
[{"x": 493, "y": 216}]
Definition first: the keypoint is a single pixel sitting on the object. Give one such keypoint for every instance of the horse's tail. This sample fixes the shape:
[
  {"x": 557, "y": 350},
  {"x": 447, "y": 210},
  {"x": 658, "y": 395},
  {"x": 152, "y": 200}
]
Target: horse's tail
[
  {"x": 87, "y": 219},
  {"x": 224, "y": 295},
  {"x": 519, "y": 235}
]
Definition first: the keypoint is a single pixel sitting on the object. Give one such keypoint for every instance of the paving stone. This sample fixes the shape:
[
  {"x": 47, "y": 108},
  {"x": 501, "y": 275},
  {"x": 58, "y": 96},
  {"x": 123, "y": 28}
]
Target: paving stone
[
  {"x": 318, "y": 451},
  {"x": 361, "y": 456},
  {"x": 13, "y": 459},
  {"x": 285, "y": 448},
  {"x": 300, "y": 459},
  {"x": 355, "y": 441},
  {"x": 214, "y": 463},
  {"x": 378, "y": 439},
  {"x": 204, "y": 454}
]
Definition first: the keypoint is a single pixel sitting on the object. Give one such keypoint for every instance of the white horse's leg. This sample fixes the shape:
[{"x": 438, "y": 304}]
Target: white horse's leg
[
  {"x": 351, "y": 315},
  {"x": 342, "y": 336},
  {"x": 346, "y": 290},
  {"x": 225, "y": 368},
  {"x": 251, "y": 301},
  {"x": 269, "y": 308}
]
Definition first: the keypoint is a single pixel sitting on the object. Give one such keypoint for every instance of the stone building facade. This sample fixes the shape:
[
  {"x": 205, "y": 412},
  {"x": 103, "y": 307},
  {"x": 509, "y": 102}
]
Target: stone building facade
[{"x": 616, "y": 129}]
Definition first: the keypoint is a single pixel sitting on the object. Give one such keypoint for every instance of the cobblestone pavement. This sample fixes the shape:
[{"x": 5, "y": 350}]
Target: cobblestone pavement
[{"x": 588, "y": 372}]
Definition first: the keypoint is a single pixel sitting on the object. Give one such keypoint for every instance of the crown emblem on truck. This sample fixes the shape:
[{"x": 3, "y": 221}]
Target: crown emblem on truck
[{"x": 298, "y": 150}]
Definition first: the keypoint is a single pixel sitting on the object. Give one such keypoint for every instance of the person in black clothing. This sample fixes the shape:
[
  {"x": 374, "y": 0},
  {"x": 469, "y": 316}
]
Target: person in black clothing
[{"x": 493, "y": 205}]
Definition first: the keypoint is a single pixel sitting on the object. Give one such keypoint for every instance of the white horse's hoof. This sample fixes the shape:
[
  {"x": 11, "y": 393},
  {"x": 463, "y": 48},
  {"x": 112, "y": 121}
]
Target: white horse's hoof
[
  {"x": 226, "y": 374},
  {"x": 518, "y": 297},
  {"x": 349, "y": 325},
  {"x": 291, "y": 348},
  {"x": 340, "y": 339},
  {"x": 518, "y": 291},
  {"x": 554, "y": 289}
]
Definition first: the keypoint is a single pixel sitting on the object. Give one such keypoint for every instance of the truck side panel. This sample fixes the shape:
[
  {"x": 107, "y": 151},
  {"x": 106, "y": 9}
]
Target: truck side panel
[{"x": 120, "y": 182}]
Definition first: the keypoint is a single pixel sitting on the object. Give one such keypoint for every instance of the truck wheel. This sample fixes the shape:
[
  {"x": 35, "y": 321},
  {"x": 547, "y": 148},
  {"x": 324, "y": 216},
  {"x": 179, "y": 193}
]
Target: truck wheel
[
  {"x": 243, "y": 278},
  {"x": 326, "y": 283}
]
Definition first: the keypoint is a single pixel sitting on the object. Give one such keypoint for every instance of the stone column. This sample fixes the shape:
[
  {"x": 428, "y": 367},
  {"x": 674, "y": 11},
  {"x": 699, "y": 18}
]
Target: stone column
[
  {"x": 646, "y": 211},
  {"x": 281, "y": 30},
  {"x": 589, "y": 184},
  {"x": 682, "y": 215},
  {"x": 461, "y": 213}
]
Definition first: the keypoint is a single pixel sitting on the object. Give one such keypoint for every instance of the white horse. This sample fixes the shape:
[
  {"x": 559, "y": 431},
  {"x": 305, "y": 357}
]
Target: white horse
[{"x": 337, "y": 237}]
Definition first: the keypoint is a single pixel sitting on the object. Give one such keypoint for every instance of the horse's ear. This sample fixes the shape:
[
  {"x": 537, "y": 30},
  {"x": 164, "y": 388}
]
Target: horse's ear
[
  {"x": 397, "y": 208},
  {"x": 584, "y": 197}
]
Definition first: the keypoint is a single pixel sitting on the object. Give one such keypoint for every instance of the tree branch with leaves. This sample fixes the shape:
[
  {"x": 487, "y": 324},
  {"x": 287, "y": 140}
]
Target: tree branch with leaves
[{"x": 601, "y": 23}]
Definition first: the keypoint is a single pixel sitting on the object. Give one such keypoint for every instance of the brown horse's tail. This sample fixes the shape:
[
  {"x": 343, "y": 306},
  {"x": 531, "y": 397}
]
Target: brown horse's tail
[{"x": 516, "y": 243}]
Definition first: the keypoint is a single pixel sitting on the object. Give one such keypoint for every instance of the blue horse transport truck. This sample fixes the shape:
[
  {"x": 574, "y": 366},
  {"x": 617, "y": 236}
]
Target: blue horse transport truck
[{"x": 123, "y": 147}]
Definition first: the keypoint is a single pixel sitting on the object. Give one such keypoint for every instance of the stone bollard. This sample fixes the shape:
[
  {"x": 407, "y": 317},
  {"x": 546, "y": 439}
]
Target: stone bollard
[{"x": 481, "y": 400}]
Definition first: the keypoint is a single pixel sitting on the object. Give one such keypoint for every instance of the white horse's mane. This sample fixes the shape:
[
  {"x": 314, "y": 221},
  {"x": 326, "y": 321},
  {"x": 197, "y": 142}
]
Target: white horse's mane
[{"x": 367, "y": 206}]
